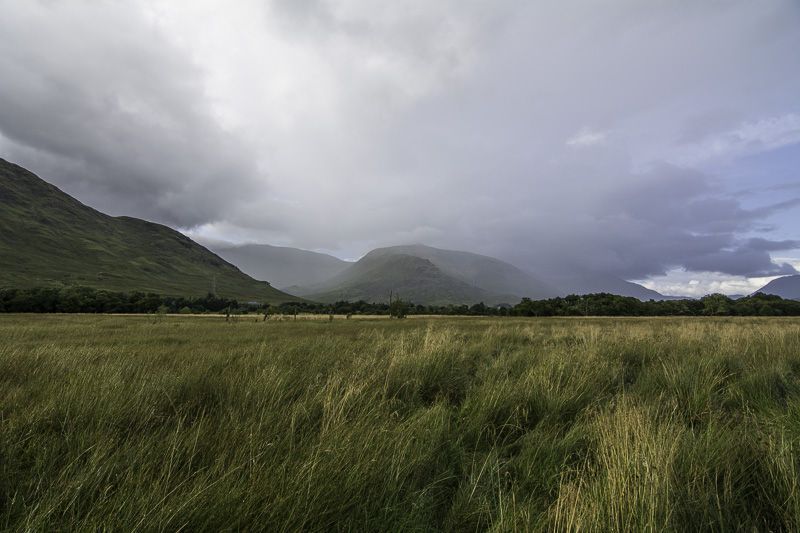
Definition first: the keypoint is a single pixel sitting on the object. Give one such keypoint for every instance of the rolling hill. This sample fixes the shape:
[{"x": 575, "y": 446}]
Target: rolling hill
[
  {"x": 411, "y": 278},
  {"x": 787, "y": 287},
  {"x": 454, "y": 277},
  {"x": 48, "y": 238},
  {"x": 427, "y": 275},
  {"x": 283, "y": 267},
  {"x": 592, "y": 283},
  {"x": 492, "y": 275}
]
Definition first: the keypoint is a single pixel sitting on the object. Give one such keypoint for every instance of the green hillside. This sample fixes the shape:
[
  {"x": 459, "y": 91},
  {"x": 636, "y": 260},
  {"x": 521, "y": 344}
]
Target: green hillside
[
  {"x": 409, "y": 277},
  {"x": 429, "y": 276},
  {"x": 490, "y": 274},
  {"x": 47, "y": 238}
]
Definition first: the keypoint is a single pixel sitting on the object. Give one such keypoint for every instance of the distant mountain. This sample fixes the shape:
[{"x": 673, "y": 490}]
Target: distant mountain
[
  {"x": 511, "y": 283},
  {"x": 492, "y": 275},
  {"x": 411, "y": 278},
  {"x": 48, "y": 238},
  {"x": 787, "y": 287},
  {"x": 427, "y": 275},
  {"x": 282, "y": 266},
  {"x": 454, "y": 277},
  {"x": 592, "y": 283}
]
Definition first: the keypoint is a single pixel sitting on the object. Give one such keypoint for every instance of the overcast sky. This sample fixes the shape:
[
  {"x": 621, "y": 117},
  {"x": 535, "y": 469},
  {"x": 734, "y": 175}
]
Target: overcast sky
[{"x": 656, "y": 141}]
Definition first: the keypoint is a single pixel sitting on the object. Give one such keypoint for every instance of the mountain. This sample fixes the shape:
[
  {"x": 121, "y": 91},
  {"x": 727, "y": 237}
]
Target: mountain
[
  {"x": 454, "y": 277},
  {"x": 282, "y": 266},
  {"x": 591, "y": 283},
  {"x": 787, "y": 287},
  {"x": 427, "y": 275},
  {"x": 411, "y": 278},
  {"x": 48, "y": 238},
  {"x": 492, "y": 275},
  {"x": 509, "y": 283}
]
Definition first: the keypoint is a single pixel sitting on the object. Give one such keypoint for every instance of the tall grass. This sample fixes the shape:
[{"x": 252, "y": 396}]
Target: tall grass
[{"x": 441, "y": 424}]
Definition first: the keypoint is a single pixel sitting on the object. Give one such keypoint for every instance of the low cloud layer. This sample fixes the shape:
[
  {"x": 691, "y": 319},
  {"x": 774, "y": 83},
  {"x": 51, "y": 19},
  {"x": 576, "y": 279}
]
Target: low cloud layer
[{"x": 608, "y": 137}]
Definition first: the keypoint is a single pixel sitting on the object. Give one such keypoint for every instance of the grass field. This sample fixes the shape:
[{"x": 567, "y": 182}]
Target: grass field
[{"x": 456, "y": 424}]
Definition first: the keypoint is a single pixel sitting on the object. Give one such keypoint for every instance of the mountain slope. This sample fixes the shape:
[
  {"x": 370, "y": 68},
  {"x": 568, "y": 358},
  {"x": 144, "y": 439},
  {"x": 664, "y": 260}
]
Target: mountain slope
[
  {"x": 48, "y": 238},
  {"x": 282, "y": 266},
  {"x": 464, "y": 277},
  {"x": 589, "y": 283},
  {"x": 511, "y": 283},
  {"x": 411, "y": 278},
  {"x": 787, "y": 287},
  {"x": 492, "y": 275}
]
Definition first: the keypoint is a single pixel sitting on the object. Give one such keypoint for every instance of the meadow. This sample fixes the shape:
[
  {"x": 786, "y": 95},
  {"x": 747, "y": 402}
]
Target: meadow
[{"x": 457, "y": 424}]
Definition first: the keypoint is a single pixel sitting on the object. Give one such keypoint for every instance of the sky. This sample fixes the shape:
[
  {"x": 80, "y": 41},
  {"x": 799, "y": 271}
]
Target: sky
[{"x": 655, "y": 141}]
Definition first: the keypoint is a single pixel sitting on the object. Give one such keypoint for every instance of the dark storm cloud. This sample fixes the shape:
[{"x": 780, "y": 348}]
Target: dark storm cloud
[
  {"x": 742, "y": 262},
  {"x": 597, "y": 137},
  {"x": 651, "y": 223},
  {"x": 766, "y": 245},
  {"x": 100, "y": 102}
]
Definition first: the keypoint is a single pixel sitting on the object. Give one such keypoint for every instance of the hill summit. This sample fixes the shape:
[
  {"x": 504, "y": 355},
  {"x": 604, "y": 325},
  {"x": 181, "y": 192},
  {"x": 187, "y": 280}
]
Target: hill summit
[
  {"x": 430, "y": 276},
  {"x": 787, "y": 287}
]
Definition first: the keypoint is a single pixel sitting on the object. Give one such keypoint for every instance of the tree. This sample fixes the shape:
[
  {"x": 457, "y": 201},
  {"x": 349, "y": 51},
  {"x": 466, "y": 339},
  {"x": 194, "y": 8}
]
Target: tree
[
  {"x": 398, "y": 309},
  {"x": 716, "y": 305}
]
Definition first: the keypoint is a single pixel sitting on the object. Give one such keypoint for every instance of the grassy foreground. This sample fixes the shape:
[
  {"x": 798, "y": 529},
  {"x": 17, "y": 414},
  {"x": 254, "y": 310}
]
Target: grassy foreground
[{"x": 424, "y": 424}]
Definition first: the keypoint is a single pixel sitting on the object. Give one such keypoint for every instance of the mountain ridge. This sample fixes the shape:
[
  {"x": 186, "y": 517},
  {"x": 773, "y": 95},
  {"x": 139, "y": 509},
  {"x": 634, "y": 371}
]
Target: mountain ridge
[
  {"x": 489, "y": 273},
  {"x": 787, "y": 287},
  {"x": 377, "y": 278},
  {"x": 467, "y": 278},
  {"x": 49, "y": 238},
  {"x": 592, "y": 283}
]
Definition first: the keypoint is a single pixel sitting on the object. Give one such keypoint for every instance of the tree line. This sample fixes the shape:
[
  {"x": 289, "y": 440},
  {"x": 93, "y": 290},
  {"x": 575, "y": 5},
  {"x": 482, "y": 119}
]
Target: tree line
[
  {"x": 604, "y": 304},
  {"x": 88, "y": 300}
]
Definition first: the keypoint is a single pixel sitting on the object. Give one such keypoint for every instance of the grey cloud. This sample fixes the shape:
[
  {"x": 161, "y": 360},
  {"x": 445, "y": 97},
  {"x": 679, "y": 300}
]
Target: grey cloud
[
  {"x": 773, "y": 208},
  {"x": 696, "y": 128},
  {"x": 741, "y": 262},
  {"x": 752, "y": 191},
  {"x": 766, "y": 245},
  {"x": 667, "y": 219},
  {"x": 115, "y": 113},
  {"x": 351, "y": 124}
]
